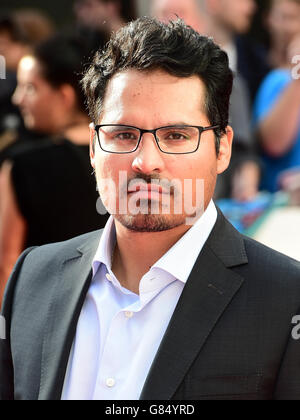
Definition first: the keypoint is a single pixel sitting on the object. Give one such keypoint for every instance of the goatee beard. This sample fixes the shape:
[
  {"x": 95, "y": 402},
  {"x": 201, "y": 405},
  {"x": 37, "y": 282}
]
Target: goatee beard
[{"x": 149, "y": 222}]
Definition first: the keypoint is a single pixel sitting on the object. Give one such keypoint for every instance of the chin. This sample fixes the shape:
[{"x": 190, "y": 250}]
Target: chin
[{"x": 150, "y": 223}]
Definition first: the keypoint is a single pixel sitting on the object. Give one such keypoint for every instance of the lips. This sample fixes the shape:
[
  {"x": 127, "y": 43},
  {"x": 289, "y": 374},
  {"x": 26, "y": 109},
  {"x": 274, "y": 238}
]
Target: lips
[
  {"x": 150, "y": 188},
  {"x": 147, "y": 188},
  {"x": 145, "y": 191}
]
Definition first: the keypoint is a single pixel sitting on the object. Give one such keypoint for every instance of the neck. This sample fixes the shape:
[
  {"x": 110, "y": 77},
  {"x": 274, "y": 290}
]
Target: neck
[
  {"x": 78, "y": 132},
  {"x": 136, "y": 253},
  {"x": 278, "y": 56}
]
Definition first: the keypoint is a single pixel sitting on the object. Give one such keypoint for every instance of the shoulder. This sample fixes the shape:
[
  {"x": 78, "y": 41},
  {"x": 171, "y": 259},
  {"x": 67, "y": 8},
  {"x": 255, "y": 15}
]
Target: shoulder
[
  {"x": 46, "y": 148},
  {"x": 39, "y": 266},
  {"x": 253, "y": 260},
  {"x": 45, "y": 255},
  {"x": 263, "y": 256},
  {"x": 271, "y": 279}
]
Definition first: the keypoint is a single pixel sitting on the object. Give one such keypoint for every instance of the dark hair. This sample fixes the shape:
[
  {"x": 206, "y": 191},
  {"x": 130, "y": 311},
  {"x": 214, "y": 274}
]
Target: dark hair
[
  {"x": 28, "y": 27},
  {"x": 62, "y": 59},
  {"x": 127, "y": 8},
  {"x": 147, "y": 44},
  {"x": 8, "y": 25}
]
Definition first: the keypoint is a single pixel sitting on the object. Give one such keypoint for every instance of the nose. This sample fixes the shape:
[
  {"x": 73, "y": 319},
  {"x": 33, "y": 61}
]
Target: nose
[
  {"x": 18, "y": 96},
  {"x": 148, "y": 158}
]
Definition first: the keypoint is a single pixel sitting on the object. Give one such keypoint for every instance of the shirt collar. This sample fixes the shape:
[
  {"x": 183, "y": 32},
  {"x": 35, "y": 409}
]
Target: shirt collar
[
  {"x": 185, "y": 251},
  {"x": 106, "y": 246},
  {"x": 180, "y": 259}
]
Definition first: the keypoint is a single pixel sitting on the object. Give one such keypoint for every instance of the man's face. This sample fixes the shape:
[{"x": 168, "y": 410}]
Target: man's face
[
  {"x": 148, "y": 101},
  {"x": 188, "y": 10},
  {"x": 235, "y": 14}
]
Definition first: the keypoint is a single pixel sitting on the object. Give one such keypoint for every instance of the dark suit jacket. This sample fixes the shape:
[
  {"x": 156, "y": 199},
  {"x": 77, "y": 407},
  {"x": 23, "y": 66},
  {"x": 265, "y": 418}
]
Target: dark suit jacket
[{"x": 229, "y": 337}]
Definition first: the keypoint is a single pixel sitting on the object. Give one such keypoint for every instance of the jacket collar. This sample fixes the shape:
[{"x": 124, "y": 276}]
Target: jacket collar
[{"x": 209, "y": 290}]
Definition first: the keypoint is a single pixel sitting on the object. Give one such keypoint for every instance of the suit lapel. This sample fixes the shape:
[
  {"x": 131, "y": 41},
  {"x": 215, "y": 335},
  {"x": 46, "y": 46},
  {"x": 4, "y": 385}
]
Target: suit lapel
[
  {"x": 208, "y": 291},
  {"x": 65, "y": 306}
]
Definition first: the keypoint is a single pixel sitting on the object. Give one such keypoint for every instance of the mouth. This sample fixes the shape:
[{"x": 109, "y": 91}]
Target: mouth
[{"x": 145, "y": 191}]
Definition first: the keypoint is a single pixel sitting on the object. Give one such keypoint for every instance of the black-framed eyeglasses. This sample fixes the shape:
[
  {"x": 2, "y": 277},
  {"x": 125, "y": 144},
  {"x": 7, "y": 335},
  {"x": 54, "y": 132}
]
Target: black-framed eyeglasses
[{"x": 175, "y": 139}]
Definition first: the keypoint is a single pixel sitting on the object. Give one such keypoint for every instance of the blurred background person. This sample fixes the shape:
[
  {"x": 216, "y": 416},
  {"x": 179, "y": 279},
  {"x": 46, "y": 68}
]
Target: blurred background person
[
  {"x": 48, "y": 193},
  {"x": 188, "y": 10},
  {"x": 283, "y": 24},
  {"x": 242, "y": 179},
  {"x": 228, "y": 21},
  {"x": 277, "y": 108},
  {"x": 20, "y": 31},
  {"x": 111, "y": 14}
]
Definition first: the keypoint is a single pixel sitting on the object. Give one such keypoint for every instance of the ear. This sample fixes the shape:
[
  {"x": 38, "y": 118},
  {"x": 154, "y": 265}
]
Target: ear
[
  {"x": 92, "y": 144},
  {"x": 224, "y": 156},
  {"x": 68, "y": 96}
]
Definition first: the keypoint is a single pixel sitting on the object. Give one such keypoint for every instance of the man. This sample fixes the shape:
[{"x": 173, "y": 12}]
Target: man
[{"x": 167, "y": 302}]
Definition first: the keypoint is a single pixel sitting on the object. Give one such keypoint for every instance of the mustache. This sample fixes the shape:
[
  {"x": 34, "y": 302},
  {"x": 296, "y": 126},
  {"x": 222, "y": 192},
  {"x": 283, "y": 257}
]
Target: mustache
[{"x": 149, "y": 180}]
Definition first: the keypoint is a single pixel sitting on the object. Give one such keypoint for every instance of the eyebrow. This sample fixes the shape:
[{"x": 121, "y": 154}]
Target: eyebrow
[{"x": 168, "y": 124}]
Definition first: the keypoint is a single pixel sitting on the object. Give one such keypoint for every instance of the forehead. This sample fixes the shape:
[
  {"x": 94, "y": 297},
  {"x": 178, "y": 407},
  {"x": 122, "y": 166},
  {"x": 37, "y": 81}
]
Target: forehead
[
  {"x": 153, "y": 93},
  {"x": 27, "y": 66}
]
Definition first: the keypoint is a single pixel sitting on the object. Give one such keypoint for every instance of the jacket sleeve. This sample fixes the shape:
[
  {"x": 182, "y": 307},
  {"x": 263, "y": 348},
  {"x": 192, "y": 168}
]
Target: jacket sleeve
[{"x": 6, "y": 363}]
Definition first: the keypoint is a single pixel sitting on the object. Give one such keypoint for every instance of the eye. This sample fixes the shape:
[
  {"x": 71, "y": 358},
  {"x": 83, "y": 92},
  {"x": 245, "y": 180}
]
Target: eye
[
  {"x": 176, "y": 135},
  {"x": 125, "y": 136},
  {"x": 30, "y": 89}
]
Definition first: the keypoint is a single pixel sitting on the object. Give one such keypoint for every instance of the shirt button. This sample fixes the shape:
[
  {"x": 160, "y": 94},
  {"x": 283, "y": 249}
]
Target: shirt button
[
  {"x": 109, "y": 277},
  {"x": 110, "y": 382},
  {"x": 128, "y": 314}
]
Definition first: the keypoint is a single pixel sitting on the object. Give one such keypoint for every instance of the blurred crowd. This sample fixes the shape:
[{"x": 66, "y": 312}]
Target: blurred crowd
[{"x": 47, "y": 189}]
